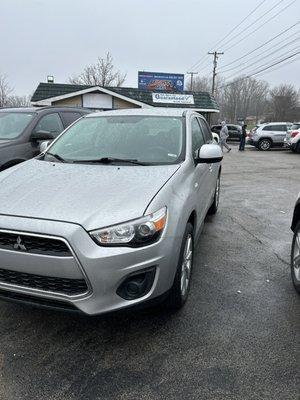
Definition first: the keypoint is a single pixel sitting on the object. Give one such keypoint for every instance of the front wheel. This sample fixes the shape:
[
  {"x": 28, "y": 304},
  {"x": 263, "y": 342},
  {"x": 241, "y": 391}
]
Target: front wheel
[
  {"x": 295, "y": 259},
  {"x": 264, "y": 144},
  {"x": 181, "y": 285}
]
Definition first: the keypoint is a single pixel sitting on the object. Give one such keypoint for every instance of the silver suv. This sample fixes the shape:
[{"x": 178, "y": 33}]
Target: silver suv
[
  {"x": 108, "y": 215},
  {"x": 266, "y": 136}
]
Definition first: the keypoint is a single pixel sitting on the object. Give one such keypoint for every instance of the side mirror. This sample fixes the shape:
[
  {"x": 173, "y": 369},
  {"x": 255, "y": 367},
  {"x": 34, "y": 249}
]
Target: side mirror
[
  {"x": 42, "y": 135},
  {"x": 209, "y": 153},
  {"x": 44, "y": 145}
]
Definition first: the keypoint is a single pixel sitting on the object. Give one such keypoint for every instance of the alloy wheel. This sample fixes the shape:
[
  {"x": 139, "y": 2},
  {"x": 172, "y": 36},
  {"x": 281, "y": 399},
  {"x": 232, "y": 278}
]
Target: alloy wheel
[
  {"x": 296, "y": 257},
  {"x": 265, "y": 144},
  {"x": 186, "y": 267}
]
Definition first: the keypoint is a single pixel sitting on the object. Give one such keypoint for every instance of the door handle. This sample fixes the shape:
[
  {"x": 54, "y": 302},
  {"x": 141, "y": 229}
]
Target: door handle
[{"x": 210, "y": 168}]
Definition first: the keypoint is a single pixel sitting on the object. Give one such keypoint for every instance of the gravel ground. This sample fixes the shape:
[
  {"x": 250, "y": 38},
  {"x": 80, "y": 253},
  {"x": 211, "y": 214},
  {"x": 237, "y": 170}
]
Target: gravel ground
[{"x": 236, "y": 338}]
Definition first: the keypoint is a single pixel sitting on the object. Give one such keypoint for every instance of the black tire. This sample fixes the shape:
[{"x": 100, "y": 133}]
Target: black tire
[
  {"x": 264, "y": 144},
  {"x": 214, "y": 207},
  {"x": 297, "y": 149},
  {"x": 296, "y": 282},
  {"x": 177, "y": 298}
]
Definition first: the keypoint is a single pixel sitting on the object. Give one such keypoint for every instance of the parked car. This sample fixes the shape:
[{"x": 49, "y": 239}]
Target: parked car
[
  {"x": 269, "y": 135},
  {"x": 292, "y": 139},
  {"x": 295, "y": 253},
  {"x": 234, "y": 131},
  {"x": 23, "y": 129},
  {"x": 115, "y": 206},
  {"x": 216, "y": 137}
]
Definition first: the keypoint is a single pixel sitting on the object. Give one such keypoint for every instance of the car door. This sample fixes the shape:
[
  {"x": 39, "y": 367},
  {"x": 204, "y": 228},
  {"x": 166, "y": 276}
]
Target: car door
[
  {"x": 213, "y": 168},
  {"x": 49, "y": 123},
  {"x": 279, "y": 133},
  {"x": 201, "y": 178}
]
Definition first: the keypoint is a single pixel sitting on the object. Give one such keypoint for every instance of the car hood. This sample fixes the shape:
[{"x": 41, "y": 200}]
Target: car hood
[
  {"x": 93, "y": 196},
  {"x": 4, "y": 143}
]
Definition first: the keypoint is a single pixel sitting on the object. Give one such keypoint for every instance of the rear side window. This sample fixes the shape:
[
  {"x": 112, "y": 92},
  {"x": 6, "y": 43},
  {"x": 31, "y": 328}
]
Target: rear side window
[
  {"x": 268, "y": 128},
  {"x": 275, "y": 128},
  {"x": 197, "y": 137},
  {"x": 70, "y": 117},
  {"x": 206, "y": 131},
  {"x": 50, "y": 123},
  {"x": 281, "y": 128}
]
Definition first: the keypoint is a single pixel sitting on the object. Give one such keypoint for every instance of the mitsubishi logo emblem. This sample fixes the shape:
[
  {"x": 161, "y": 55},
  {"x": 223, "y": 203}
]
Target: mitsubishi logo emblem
[{"x": 19, "y": 245}]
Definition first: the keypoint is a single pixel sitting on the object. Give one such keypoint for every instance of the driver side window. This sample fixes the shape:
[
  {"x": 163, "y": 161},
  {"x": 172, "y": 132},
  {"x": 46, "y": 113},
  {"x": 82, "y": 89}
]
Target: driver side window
[
  {"x": 50, "y": 123},
  {"x": 197, "y": 137}
]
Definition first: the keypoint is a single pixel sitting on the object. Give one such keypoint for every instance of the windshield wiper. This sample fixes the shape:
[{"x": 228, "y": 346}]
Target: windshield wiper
[
  {"x": 58, "y": 157},
  {"x": 109, "y": 160}
]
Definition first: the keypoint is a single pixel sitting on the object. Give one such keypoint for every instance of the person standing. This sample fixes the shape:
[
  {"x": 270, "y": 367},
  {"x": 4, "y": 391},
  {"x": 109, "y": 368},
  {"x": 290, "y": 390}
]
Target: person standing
[
  {"x": 223, "y": 136},
  {"x": 243, "y": 138}
]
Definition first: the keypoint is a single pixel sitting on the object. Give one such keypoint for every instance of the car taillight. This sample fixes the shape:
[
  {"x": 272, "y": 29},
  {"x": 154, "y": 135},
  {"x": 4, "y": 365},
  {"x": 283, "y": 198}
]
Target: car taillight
[{"x": 294, "y": 133}]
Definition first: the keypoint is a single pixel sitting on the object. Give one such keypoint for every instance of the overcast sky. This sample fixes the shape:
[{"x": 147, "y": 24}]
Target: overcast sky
[{"x": 60, "y": 37}]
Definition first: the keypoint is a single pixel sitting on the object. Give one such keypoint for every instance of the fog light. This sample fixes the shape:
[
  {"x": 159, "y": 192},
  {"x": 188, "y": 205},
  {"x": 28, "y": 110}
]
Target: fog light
[{"x": 137, "y": 284}]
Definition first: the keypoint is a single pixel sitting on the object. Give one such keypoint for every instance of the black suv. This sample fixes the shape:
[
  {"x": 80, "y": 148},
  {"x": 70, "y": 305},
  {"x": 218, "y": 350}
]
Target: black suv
[
  {"x": 23, "y": 129},
  {"x": 234, "y": 131}
]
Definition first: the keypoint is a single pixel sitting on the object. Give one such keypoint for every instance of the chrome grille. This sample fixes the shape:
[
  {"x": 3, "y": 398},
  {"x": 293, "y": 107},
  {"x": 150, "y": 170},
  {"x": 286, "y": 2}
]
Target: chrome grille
[{"x": 34, "y": 244}]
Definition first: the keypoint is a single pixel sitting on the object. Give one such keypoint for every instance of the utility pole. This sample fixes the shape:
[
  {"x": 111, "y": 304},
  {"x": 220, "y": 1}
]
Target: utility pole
[
  {"x": 215, "y": 54},
  {"x": 192, "y": 77}
]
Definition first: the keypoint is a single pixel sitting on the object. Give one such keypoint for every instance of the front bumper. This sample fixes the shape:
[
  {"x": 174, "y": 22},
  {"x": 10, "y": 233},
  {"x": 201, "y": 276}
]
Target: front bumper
[{"x": 102, "y": 268}]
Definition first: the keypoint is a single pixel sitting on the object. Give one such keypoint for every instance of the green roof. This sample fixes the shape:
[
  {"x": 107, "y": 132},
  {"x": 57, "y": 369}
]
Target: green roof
[{"x": 202, "y": 100}]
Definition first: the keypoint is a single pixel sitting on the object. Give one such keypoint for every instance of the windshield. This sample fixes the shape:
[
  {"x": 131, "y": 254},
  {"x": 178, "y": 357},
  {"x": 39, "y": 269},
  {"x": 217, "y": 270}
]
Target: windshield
[
  {"x": 146, "y": 139},
  {"x": 295, "y": 127},
  {"x": 12, "y": 124}
]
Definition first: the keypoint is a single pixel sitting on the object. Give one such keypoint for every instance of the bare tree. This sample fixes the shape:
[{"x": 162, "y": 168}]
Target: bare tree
[
  {"x": 5, "y": 90},
  {"x": 283, "y": 101},
  {"x": 18, "y": 101},
  {"x": 242, "y": 97},
  {"x": 200, "y": 84},
  {"x": 102, "y": 73}
]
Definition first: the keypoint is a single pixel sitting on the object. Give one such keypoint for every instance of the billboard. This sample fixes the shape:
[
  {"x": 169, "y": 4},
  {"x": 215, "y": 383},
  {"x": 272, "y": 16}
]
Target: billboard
[{"x": 156, "y": 81}]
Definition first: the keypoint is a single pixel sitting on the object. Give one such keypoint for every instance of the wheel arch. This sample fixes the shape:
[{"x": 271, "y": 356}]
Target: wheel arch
[{"x": 296, "y": 217}]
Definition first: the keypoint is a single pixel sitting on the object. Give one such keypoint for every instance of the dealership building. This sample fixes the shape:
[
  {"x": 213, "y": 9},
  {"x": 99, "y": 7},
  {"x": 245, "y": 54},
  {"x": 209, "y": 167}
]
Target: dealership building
[{"x": 115, "y": 98}]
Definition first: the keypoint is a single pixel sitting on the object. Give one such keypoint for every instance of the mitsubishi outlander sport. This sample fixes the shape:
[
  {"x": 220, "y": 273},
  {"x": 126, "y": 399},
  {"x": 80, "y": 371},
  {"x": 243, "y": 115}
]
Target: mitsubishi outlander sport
[{"x": 107, "y": 217}]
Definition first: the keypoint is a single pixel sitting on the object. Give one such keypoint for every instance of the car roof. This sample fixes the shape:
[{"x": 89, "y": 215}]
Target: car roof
[
  {"x": 159, "y": 111},
  {"x": 275, "y": 123},
  {"x": 41, "y": 109}
]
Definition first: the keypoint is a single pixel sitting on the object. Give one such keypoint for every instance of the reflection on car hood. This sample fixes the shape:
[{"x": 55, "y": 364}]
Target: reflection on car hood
[
  {"x": 4, "y": 142},
  {"x": 91, "y": 195}
]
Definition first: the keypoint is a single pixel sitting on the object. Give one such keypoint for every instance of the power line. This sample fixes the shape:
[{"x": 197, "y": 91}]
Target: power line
[
  {"x": 262, "y": 45},
  {"x": 280, "y": 66},
  {"x": 257, "y": 20},
  {"x": 239, "y": 24},
  {"x": 257, "y": 55},
  {"x": 278, "y": 62},
  {"x": 232, "y": 30},
  {"x": 256, "y": 29},
  {"x": 260, "y": 54},
  {"x": 261, "y": 70},
  {"x": 274, "y": 59}
]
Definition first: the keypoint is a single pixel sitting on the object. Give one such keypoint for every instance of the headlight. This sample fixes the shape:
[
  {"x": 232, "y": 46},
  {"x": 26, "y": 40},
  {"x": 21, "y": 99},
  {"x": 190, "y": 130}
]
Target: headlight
[{"x": 139, "y": 232}]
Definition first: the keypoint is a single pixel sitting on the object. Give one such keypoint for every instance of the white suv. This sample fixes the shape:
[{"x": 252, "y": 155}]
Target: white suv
[
  {"x": 269, "y": 135},
  {"x": 292, "y": 139}
]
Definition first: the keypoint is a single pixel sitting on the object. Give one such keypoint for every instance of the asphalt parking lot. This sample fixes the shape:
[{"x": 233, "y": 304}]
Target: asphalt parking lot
[{"x": 236, "y": 338}]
